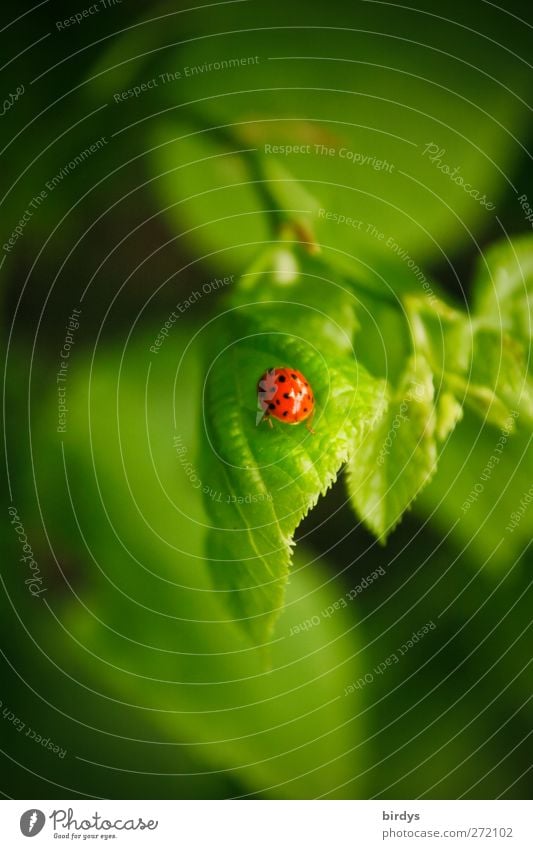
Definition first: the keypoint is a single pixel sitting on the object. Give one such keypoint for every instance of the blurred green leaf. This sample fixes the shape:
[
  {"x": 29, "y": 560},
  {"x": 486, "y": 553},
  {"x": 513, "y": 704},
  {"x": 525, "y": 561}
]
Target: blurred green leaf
[
  {"x": 473, "y": 359},
  {"x": 145, "y": 623},
  {"x": 503, "y": 287},
  {"x": 499, "y": 365},
  {"x": 376, "y": 166},
  {"x": 483, "y": 474},
  {"x": 449, "y": 412},
  {"x": 442, "y": 333}
]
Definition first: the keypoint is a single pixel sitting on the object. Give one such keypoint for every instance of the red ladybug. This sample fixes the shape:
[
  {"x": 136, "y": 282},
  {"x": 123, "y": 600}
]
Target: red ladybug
[{"x": 285, "y": 394}]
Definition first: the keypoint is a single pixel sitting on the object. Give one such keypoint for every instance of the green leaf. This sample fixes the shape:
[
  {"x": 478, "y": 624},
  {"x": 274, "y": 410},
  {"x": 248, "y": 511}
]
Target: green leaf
[
  {"x": 397, "y": 458},
  {"x": 503, "y": 287},
  {"x": 474, "y": 360},
  {"x": 497, "y": 382},
  {"x": 503, "y": 300},
  {"x": 442, "y": 333},
  {"x": 261, "y": 482},
  {"x": 499, "y": 362},
  {"x": 449, "y": 413}
]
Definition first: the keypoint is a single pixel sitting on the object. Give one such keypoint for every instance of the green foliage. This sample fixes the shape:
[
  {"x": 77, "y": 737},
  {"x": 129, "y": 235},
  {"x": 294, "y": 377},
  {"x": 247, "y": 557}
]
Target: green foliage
[
  {"x": 477, "y": 361},
  {"x": 288, "y": 311},
  {"x": 479, "y": 498},
  {"x": 228, "y": 155},
  {"x": 503, "y": 288},
  {"x": 319, "y": 147},
  {"x": 499, "y": 365}
]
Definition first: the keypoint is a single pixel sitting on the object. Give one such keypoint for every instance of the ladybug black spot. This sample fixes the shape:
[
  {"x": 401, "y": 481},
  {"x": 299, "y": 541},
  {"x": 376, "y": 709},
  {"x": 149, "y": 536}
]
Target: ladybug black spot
[
  {"x": 285, "y": 413},
  {"x": 281, "y": 378},
  {"x": 305, "y": 409},
  {"x": 271, "y": 406},
  {"x": 286, "y": 395},
  {"x": 293, "y": 376}
]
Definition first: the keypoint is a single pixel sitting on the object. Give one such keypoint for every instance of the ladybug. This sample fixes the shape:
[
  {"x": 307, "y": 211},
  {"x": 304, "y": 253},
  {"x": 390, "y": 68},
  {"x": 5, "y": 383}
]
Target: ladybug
[{"x": 285, "y": 394}]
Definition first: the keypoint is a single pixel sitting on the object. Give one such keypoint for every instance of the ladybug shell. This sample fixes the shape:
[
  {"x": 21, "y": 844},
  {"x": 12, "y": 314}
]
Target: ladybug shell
[{"x": 285, "y": 394}]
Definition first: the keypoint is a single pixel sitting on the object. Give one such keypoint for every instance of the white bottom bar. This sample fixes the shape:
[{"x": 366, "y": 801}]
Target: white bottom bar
[{"x": 267, "y": 824}]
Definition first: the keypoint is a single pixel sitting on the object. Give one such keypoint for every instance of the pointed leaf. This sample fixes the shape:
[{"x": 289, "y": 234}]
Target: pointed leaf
[
  {"x": 262, "y": 481},
  {"x": 396, "y": 459}
]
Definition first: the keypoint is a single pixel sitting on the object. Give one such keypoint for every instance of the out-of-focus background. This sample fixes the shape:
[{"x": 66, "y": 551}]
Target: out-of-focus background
[{"x": 128, "y": 185}]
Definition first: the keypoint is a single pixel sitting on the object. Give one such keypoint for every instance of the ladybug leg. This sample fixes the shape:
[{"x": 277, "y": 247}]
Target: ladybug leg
[{"x": 269, "y": 420}]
